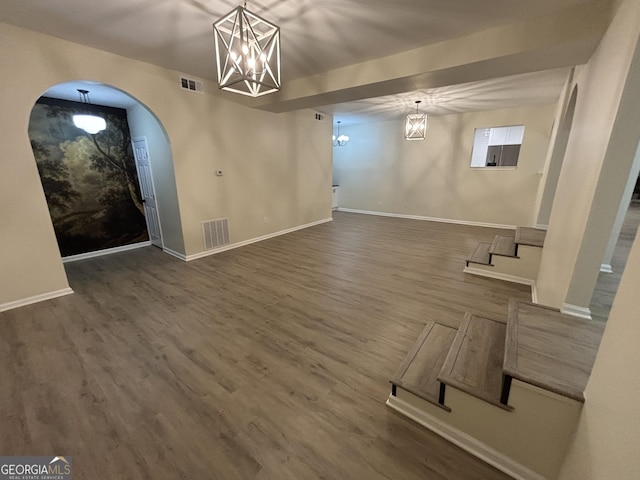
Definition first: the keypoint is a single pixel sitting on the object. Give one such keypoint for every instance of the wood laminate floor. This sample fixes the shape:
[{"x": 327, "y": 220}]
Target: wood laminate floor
[{"x": 271, "y": 361}]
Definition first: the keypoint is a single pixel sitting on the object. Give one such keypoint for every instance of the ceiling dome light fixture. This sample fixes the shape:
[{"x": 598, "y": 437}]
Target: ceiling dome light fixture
[
  {"x": 247, "y": 53},
  {"x": 416, "y": 125},
  {"x": 340, "y": 140},
  {"x": 89, "y": 123}
]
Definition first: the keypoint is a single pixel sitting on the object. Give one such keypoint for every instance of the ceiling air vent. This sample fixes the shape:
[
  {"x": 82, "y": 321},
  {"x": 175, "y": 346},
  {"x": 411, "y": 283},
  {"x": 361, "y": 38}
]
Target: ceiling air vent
[{"x": 191, "y": 84}]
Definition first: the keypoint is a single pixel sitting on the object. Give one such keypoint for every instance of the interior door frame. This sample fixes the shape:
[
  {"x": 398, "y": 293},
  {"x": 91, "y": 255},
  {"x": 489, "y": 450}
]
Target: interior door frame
[{"x": 153, "y": 186}]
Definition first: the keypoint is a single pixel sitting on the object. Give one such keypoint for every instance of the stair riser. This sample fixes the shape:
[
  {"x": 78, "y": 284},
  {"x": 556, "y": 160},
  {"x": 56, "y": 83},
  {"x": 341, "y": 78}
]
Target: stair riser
[
  {"x": 535, "y": 435},
  {"x": 524, "y": 266}
]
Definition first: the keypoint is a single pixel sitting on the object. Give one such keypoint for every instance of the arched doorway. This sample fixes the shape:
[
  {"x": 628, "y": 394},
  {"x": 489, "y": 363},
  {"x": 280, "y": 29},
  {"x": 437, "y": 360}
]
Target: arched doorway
[{"x": 91, "y": 180}]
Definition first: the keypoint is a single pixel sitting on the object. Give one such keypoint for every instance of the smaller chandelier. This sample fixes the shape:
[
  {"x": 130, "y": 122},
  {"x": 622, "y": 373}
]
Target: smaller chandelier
[
  {"x": 247, "y": 53},
  {"x": 340, "y": 140},
  {"x": 89, "y": 123},
  {"x": 416, "y": 125}
]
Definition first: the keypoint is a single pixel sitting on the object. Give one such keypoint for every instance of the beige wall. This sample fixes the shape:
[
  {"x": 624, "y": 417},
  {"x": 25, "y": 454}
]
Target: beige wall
[
  {"x": 569, "y": 246},
  {"x": 380, "y": 171},
  {"x": 277, "y": 168},
  {"x": 617, "y": 168},
  {"x": 143, "y": 123},
  {"x": 607, "y": 438}
]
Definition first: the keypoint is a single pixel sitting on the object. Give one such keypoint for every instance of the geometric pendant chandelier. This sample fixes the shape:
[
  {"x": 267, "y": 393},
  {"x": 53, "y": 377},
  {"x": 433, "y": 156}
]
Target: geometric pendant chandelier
[
  {"x": 416, "y": 125},
  {"x": 247, "y": 53}
]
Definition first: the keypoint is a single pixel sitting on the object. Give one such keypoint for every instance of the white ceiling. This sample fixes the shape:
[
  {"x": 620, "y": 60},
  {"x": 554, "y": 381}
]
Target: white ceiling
[{"x": 317, "y": 36}]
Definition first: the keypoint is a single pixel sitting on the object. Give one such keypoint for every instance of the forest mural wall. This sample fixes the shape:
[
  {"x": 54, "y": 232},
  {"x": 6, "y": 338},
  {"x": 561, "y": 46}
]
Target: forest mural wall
[{"x": 90, "y": 181}]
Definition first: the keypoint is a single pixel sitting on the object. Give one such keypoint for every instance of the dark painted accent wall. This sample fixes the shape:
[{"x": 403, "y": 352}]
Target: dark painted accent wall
[{"x": 90, "y": 181}]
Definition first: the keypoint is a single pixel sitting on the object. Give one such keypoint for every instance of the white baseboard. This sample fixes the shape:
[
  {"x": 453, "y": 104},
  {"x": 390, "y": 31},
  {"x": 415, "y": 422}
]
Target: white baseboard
[
  {"x": 606, "y": 268},
  {"x": 499, "y": 276},
  {"x": 195, "y": 256},
  {"x": 534, "y": 293},
  {"x": 428, "y": 219},
  {"x": 173, "y": 253},
  {"x": 465, "y": 441},
  {"x": 576, "y": 311},
  {"x": 106, "y": 251},
  {"x": 35, "y": 299}
]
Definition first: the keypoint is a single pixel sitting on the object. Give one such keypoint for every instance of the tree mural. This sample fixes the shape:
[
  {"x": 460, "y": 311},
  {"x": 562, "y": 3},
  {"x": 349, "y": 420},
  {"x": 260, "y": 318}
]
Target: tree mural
[
  {"x": 90, "y": 181},
  {"x": 114, "y": 158},
  {"x": 54, "y": 176}
]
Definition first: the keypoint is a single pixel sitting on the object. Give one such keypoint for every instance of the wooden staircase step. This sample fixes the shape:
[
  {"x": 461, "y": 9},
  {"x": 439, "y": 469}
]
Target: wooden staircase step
[
  {"x": 418, "y": 373},
  {"x": 549, "y": 349},
  {"x": 503, "y": 246},
  {"x": 533, "y": 237},
  {"x": 474, "y": 362},
  {"x": 480, "y": 255}
]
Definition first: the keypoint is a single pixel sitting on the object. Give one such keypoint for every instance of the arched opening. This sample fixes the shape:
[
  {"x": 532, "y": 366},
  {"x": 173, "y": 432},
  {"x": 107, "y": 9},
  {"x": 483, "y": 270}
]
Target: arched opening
[
  {"x": 105, "y": 193},
  {"x": 557, "y": 158}
]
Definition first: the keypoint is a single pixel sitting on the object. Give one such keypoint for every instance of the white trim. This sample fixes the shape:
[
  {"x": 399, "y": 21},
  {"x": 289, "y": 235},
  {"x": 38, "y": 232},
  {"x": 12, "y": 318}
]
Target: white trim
[
  {"x": 534, "y": 292},
  {"x": 224, "y": 248},
  {"x": 106, "y": 251},
  {"x": 428, "y": 219},
  {"x": 499, "y": 276},
  {"x": 542, "y": 226},
  {"x": 465, "y": 441},
  {"x": 153, "y": 185},
  {"x": 496, "y": 168},
  {"x": 576, "y": 311},
  {"x": 173, "y": 253},
  {"x": 35, "y": 299},
  {"x": 606, "y": 268}
]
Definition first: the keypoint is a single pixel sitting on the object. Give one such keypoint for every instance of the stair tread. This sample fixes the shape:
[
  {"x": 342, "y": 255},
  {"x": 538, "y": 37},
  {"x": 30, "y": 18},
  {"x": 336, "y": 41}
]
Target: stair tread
[
  {"x": 533, "y": 237},
  {"x": 474, "y": 362},
  {"x": 549, "y": 349},
  {"x": 418, "y": 373},
  {"x": 503, "y": 246},
  {"x": 481, "y": 255}
]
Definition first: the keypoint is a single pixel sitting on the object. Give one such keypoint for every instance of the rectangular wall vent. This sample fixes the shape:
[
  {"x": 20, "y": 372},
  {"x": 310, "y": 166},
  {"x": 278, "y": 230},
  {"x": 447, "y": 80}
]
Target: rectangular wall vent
[
  {"x": 215, "y": 233},
  {"x": 191, "y": 84},
  {"x": 320, "y": 117}
]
